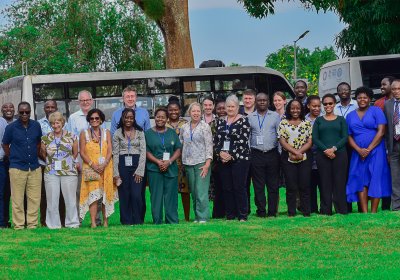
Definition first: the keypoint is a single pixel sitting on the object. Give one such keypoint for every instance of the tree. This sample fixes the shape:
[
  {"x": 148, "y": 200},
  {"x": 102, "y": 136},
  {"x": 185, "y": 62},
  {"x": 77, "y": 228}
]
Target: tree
[
  {"x": 308, "y": 63},
  {"x": 64, "y": 36}
]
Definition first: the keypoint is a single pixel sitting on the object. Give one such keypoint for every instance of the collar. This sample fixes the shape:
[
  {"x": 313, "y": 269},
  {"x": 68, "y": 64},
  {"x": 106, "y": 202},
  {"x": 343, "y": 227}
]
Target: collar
[
  {"x": 255, "y": 113},
  {"x": 19, "y": 122}
]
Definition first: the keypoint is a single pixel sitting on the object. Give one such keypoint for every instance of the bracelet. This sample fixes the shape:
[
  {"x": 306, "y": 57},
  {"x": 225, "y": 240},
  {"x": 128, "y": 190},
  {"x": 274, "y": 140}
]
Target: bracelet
[
  {"x": 170, "y": 162},
  {"x": 90, "y": 163}
]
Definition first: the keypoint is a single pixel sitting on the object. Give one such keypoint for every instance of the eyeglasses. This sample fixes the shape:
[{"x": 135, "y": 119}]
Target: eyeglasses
[
  {"x": 328, "y": 103},
  {"x": 85, "y": 100},
  {"x": 24, "y": 112},
  {"x": 94, "y": 118}
]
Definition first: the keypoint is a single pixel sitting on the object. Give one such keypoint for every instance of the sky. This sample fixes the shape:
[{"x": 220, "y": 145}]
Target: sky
[{"x": 221, "y": 29}]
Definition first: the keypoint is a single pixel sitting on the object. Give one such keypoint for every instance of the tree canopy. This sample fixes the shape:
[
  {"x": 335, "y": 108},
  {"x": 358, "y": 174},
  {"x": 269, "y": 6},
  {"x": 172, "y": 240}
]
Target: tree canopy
[
  {"x": 65, "y": 36},
  {"x": 308, "y": 63}
]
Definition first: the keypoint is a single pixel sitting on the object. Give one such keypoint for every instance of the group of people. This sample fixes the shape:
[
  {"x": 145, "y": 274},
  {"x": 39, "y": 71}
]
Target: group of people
[{"x": 216, "y": 152}]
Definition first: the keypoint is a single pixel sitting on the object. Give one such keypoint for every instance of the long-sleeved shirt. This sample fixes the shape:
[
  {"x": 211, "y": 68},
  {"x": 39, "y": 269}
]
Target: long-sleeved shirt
[
  {"x": 137, "y": 147},
  {"x": 327, "y": 134},
  {"x": 197, "y": 143},
  {"x": 141, "y": 117}
]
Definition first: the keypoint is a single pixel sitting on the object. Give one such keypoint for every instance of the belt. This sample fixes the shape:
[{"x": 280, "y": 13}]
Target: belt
[{"x": 264, "y": 152}]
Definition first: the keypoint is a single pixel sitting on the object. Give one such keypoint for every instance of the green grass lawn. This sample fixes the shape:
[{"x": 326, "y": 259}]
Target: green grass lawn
[{"x": 354, "y": 246}]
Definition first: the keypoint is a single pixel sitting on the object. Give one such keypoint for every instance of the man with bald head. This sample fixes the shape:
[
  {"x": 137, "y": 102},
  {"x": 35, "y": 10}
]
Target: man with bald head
[{"x": 264, "y": 156}]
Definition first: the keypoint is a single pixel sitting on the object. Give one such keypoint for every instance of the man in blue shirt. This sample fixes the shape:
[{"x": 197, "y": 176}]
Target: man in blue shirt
[
  {"x": 264, "y": 156},
  {"x": 129, "y": 96},
  {"x": 21, "y": 143}
]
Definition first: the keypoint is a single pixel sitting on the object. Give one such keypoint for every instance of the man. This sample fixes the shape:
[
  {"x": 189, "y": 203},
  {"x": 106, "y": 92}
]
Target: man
[
  {"x": 346, "y": 104},
  {"x": 386, "y": 93},
  {"x": 76, "y": 123},
  {"x": 21, "y": 143},
  {"x": 392, "y": 113},
  {"x": 249, "y": 99},
  {"x": 50, "y": 107},
  {"x": 8, "y": 112},
  {"x": 264, "y": 156},
  {"x": 129, "y": 96},
  {"x": 3, "y": 179},
  {"x": 300, "y": 91}
]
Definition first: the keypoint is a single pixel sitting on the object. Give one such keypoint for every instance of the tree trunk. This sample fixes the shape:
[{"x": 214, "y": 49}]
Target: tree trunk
[{"x": 174, "y": 25}]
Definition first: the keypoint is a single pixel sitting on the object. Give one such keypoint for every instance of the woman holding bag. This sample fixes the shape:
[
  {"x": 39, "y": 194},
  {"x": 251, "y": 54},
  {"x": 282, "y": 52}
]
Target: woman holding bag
[{"x": 97, "y": 171}]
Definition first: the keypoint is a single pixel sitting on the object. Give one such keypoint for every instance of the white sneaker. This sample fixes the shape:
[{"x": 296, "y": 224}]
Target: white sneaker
[
  {"x": 202, "y": 222},
  {"x": 195, "y": 221}
]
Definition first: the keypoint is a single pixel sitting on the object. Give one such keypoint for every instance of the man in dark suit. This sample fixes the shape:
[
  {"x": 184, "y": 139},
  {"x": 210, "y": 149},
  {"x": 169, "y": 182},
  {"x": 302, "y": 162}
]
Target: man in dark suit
[{"x": 392, "y": 113}]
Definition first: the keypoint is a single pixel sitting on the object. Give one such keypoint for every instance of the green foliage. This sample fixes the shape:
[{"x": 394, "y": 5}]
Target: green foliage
[
  {"x": 308, "y": 63},
  {"x": 66, "y": 36},
  {"x": 373, "y": 26},
  {"x": 234, "y": 64}
]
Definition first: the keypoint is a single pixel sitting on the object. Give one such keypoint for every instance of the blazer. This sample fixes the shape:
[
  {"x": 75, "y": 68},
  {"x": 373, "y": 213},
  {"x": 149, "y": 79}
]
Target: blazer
[{"x": 389, "y": 110}]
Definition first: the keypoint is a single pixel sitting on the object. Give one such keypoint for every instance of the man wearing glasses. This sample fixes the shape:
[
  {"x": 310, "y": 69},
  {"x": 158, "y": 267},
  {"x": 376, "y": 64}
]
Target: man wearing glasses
[{"x": 21, "y": 143}]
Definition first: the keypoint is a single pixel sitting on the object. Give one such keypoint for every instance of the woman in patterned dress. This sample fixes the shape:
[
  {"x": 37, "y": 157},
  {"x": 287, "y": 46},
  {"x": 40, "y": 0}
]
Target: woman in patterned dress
[
  {"x": 176, "y": 122},
  {"x": 96, "y": 152},
  {"x": 295, "y": 137}
]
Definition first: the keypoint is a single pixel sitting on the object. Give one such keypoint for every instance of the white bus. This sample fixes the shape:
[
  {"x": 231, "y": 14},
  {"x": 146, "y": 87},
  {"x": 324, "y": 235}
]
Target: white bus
[
  {"x": 358, "y": 71},
  {"x": 154, "y": 87}
]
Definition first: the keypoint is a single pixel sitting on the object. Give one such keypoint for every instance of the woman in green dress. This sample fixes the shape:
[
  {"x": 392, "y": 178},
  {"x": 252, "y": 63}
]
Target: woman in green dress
[
  {"x": 163, "y": 148},
  {"x": 176, "y": 122}
]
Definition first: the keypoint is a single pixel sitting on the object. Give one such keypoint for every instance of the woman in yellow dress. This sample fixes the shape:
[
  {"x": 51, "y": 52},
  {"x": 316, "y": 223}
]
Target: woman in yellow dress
[
  {"x": 96, "y": 152},
  {"x": 176, "y": 122}
]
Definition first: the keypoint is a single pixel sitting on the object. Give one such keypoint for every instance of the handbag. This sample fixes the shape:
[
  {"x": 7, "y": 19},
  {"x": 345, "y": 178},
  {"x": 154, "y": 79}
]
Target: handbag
[{"x": 89, "y": 175}]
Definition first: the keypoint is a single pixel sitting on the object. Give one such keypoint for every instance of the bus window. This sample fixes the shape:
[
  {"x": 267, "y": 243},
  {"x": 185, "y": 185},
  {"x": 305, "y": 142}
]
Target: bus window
[
  {"x": 109, "y": 89},
  {"x": 373, "y": 71},
  {"x": 197, "y": 84},
  {"x": 234, "y": 83},
  {"x": 74, "y": 89},
  {"x": 48, "y": 91},
  {"x": 163, "y": 85},
  {"x": 139, "y": 85},
  {"x": 108, "y": 106},
  {"x": 147, "y": 103}
]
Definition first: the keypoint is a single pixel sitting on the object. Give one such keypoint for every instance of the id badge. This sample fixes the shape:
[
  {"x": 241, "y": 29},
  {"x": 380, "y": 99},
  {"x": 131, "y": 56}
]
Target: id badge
[
  {"x": 187, "y": 140},
  {"x": 397, "y": 128},
  {"x": 260, "y": 140},
  {"x": 226, "y": 145},
  {"x": 102, "y": 160},
  {"x": 165, "y": 156},
  {"x": 57, "y": 165},
  {"x": 128, "y": 161}
]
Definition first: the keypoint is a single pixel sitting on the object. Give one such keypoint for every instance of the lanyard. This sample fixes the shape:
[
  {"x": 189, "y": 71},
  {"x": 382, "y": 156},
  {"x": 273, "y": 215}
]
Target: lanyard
[
  {"x": 345, "y": 112},
  {"x": 100, "y": 142},
  {"x": 162, "y": 139},
  {"x": 129, "y": 141},
  {"x": 58, "y": 144},
  {"x": 192, "y": 131},
  {"x": 262, "y": 123},
  {"x": 228, "y": 126}
]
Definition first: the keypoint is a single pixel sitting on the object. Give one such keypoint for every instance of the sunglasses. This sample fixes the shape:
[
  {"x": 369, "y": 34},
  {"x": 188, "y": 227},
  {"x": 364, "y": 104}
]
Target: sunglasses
[
  {"x": 328, "y": 103},
  {"x": 95, "y": 118},
  {"x": 24, "y": 112}
]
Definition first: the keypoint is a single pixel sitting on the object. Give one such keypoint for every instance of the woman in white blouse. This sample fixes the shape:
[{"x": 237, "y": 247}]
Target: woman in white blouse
[{"x": 197, "y": 154}]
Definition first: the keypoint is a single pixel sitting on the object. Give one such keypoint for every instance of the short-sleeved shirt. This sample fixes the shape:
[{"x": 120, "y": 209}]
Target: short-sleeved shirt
[
  {"x": 60, "y": 149},
  {"x": 23, "y": 144},
  {"x": 295, "y": 135},
  {"x": 266, "y": 127},
  {"x": 343, "y": 111},
  {"x": 157, "y": 144},
  {"x": 77, "y": 122}
]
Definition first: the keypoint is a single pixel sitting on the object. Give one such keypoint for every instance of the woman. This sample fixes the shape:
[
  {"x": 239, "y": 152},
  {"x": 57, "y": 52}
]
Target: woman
[
  {"x": 279, "y": 100},
  {"x": 97, "y": 171},
  {"x": 231, "y": 143},
  {"x": 197, "y": 154},
  {"x": 369, "y": 174},
  {"x": 295, "y": 137},
  {"x": 208, "y": 108},
  {"x": 330, "y": 137},
  {"x": 60, "y": 149},
  {"x": 314, "y": 106},
  {"x": 163, "y": 148},
  {"x": 129, "y": 160},
  {"x": 176, "y": 122},
  {"x": 215, "y": 181}
]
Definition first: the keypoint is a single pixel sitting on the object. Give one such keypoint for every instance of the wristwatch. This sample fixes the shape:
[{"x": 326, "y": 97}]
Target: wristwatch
[{"x": 334, "y": 148}]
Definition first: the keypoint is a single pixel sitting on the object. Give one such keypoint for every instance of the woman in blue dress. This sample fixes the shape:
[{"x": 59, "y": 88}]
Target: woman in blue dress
[{"x": 369, "y": 174}]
